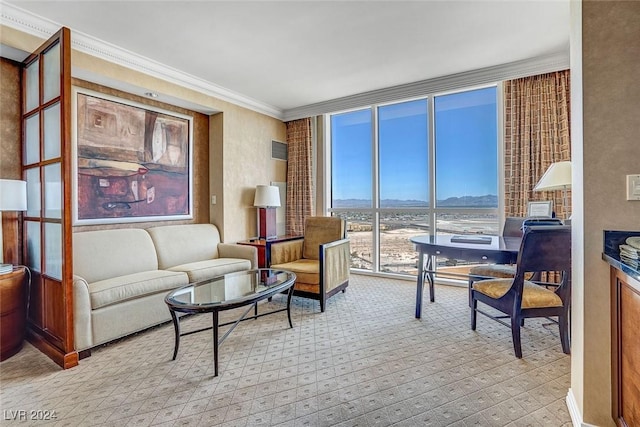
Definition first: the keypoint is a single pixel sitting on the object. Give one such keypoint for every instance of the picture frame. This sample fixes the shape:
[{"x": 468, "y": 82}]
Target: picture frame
[
  {"x": 131, "y": 162},
  {"x": 540, "y": 209}
]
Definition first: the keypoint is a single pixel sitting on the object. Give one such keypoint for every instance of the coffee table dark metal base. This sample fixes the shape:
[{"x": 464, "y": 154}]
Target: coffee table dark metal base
[{"x": 252, "y": 301}]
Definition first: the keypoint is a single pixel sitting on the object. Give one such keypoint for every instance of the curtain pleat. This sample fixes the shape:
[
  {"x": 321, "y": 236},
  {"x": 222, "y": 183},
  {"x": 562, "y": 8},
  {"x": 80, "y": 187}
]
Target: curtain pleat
[
  {"x": 536, "y": 135},
  {"x": 299, "y": 175}
]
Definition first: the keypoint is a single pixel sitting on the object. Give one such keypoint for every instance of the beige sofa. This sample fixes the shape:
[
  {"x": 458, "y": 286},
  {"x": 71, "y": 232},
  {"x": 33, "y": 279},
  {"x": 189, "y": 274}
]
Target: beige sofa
[{"x": 121, "y": 276}]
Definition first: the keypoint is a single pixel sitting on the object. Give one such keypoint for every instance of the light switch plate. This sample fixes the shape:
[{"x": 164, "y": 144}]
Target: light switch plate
[{"x": 633, "y": 187}]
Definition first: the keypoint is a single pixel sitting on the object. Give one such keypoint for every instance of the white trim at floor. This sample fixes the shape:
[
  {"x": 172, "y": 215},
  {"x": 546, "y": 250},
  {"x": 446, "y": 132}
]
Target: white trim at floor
[{"x": 576, "y": 416}]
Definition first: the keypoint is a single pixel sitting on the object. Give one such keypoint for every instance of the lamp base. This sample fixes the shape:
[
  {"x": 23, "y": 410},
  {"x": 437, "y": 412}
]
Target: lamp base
[{"x": 267, "y": 223}]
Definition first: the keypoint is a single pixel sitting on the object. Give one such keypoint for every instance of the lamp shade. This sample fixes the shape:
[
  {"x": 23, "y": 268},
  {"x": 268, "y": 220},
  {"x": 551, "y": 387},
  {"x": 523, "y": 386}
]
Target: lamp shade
[
  {"x": 557, "y": 177},
  {"x": 267, "y": 196},
  {"x": 13, "y": 195}
]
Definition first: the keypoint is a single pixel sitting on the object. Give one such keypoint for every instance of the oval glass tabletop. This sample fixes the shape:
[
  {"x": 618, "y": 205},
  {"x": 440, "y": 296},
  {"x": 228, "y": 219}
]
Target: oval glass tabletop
[{"x": 231, "y": 288}]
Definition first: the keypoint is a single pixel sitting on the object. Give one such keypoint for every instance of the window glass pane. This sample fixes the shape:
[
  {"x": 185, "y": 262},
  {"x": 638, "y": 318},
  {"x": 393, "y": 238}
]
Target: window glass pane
[
  {"x": 33, "y": 245},
  {"x": 52, "y": 132},
  {"x": 351, "y": 159},
  {"x": 32, "y": 140},
  {"x": 51, "y": 72},
  {"x": 397, "y": 253},
  {"x": 52, "y": 191},
  {"x": 403, "y": 153},
  {"x": 457, "y": 223},
  {"x": 467, "y": 149},
  {"x": 33, "y": 192},
  {"x": 53, "y": 250},
  {"x": 360, "y": 233},
  {"x": 32, "y": 86}
]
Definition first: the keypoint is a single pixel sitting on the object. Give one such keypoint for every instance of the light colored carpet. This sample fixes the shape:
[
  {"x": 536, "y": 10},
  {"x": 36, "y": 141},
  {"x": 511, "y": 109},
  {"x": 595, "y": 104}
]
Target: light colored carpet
[{"x": 366, "y": 361}]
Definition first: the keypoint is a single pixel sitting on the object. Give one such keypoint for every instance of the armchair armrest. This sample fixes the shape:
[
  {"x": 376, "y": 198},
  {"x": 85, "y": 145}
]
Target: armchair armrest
[
  {"x": 229, "y": 250},
  {"x": 286, "y": 251},
  {"x": 335, "y": 263}
]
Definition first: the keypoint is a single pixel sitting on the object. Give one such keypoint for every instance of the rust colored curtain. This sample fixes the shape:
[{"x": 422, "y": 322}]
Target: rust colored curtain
[
  {"x": 536, "y": 135},
  {"x": 299, "y": 175}
]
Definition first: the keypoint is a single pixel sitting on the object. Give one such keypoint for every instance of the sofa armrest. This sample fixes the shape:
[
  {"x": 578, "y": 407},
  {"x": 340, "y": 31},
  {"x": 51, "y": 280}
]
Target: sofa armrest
[
  {"x": 335, "y": 263},
  {"x": 230, "y": 250},
  {"x": 288, "y": 251},
  {"x": 82, "y": 327}
]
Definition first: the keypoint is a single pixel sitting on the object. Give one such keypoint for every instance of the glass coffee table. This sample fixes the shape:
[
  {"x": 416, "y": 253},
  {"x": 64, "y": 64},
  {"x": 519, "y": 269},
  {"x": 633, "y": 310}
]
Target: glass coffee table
[{"x": 227, "y": 292}]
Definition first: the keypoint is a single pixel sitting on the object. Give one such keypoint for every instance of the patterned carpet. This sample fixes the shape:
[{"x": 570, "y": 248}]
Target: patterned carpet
[{"x": 366, "y": 361}]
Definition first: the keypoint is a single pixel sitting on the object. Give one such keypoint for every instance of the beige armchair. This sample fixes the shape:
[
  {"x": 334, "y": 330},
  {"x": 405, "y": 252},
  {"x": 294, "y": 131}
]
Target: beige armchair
[{"x": 320, "y": 259}]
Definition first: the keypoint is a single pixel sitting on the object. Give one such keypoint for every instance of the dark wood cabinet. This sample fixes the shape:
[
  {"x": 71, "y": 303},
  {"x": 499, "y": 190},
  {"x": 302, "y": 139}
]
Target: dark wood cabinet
[
  {"x": 13, "y": 312},
  {"x": 264, "y": 248},
  {"x": 625, "y": 348}
]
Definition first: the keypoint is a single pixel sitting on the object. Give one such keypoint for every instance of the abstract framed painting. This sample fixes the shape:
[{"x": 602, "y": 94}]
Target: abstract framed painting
[{"x": 132, "y": 162}]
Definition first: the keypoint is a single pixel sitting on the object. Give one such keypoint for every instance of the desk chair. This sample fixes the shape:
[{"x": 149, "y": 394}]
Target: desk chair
[
  {"x": 543, "y": 248},
  {"x": 513, "y": 227}
]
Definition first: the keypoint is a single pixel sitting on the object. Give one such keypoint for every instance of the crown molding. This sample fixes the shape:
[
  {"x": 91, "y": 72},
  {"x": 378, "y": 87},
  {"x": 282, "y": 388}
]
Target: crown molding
[
  {"x": 513, "y": 70},
  {"x": 21, "y": 20}
]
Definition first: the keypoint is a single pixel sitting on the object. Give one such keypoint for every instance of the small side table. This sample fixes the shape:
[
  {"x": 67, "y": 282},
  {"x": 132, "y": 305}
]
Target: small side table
[
  {"x": 13, "y": 312},
  {"x": 264, "y": 247}
]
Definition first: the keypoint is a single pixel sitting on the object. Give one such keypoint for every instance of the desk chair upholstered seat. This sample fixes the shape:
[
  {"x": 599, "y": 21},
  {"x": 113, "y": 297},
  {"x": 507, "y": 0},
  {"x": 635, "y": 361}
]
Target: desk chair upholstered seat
[
  {"x": 543, "y": 248},
  {"x": 320, "y": 260}
]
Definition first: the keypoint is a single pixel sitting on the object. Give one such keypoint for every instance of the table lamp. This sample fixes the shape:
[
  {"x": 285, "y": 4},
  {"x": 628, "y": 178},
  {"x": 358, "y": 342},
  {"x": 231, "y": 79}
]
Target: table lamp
[
  {"x": 557, "y": 177},
  {"x": 13, "y": 197},
  {"x": 267, "y": 198}
]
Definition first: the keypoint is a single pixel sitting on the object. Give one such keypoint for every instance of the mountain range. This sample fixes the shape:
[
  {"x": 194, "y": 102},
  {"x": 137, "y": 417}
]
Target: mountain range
[{"x": 486, "y": 201}]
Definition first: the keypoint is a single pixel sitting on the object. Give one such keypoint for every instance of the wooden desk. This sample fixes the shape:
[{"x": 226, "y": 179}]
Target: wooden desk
[
  {"x": 502, "y": 250},
  {"x": 264, "y": 248},
  {"x": 13, "y": 312}
]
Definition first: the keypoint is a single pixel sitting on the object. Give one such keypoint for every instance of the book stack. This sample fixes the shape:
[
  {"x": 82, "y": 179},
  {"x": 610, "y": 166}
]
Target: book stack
[
  {"x": 630, "y": 252},
  {"x": 6, "y": 268}
]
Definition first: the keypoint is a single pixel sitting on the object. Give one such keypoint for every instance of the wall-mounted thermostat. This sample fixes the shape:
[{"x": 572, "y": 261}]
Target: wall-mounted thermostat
[{"x": 633, "y": 187}]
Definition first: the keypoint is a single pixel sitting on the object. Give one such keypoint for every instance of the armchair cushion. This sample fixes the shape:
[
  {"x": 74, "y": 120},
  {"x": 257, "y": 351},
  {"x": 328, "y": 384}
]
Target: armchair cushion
[
  {"x": 319, "y": 230},
  {"x": 307, "y": 271}
]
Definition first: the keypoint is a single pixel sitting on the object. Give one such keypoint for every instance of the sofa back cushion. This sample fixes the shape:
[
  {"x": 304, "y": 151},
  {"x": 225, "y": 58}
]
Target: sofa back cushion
[
  {"x": 182, "y": 244},
  {"x": 103, "y": 254}
]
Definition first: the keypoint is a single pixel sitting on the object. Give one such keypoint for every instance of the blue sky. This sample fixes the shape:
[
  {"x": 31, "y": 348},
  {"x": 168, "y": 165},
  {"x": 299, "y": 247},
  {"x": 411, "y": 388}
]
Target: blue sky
[{"x": 466, "y": 149}]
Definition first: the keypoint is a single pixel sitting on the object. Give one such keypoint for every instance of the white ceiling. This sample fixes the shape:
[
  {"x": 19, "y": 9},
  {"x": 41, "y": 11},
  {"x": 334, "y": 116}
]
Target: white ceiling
[{"x": 289, "y": 54}]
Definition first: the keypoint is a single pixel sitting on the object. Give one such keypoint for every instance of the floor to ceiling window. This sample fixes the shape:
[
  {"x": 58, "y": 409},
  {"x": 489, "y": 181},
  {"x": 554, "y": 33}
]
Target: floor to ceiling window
[{"x": 421, "y": 166}]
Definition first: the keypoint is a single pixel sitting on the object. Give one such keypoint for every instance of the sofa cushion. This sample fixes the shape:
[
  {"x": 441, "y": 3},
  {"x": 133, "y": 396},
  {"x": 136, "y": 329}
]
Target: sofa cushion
[
  {"x": 130, "y": 286},
  {"x": 103, "y": 254},
  {"x": 208, "y": 269},
  {"x": 185, "y": 243}
]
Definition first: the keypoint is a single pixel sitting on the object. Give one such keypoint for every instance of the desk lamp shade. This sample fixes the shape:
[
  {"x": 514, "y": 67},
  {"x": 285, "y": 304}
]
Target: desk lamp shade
[
  {"x": 557, "y": 177},
  {"x": 267, "y": 198},
  {"x": 13, "y": 197}
]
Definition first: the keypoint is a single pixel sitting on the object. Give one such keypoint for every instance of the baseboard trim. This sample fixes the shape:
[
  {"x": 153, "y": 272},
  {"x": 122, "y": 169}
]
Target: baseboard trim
[{"x": 574, "y": 412}]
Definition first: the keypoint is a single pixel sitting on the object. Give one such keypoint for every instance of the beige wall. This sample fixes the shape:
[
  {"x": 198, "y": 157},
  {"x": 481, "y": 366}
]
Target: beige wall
[
  {"x": 10, "y": 120},
  {"x": 609, "y": 150},
  {"x": 239, "y": 140}
]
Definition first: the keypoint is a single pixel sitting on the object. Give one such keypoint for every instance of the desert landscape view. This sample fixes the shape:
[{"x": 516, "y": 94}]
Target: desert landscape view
[{"x": 397, "y": 253}]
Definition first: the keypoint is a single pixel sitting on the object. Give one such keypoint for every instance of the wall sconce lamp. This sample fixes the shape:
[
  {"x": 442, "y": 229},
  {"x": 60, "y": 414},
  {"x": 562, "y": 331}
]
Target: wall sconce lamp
[
  {"x": 557, "y": 177},
  {"x": 13, "y": 197},
  {"x": 267, "y": 198}
]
